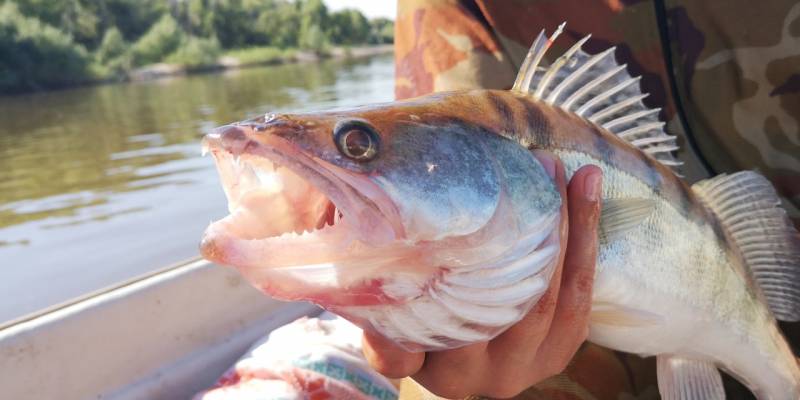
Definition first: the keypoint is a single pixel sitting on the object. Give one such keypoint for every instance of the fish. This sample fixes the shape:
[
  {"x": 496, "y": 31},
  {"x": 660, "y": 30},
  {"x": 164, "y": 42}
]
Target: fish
[{"x": 430, "y": 221}]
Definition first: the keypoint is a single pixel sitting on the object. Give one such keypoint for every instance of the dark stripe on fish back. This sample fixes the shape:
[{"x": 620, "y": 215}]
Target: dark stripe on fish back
[
  {"x": 538, "y": 134},
  {"x": 654, "y": 178},
  {"x": 604, "y": 149},
  {"x": 503, "y": 111}
]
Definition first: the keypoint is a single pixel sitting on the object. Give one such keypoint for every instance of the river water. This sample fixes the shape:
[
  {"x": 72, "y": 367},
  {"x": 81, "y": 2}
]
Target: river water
[{"x": 101, "y": 184}]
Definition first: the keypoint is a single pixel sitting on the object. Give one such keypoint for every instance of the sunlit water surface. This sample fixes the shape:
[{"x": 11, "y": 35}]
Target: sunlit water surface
[{"x": 102, "y": 184}]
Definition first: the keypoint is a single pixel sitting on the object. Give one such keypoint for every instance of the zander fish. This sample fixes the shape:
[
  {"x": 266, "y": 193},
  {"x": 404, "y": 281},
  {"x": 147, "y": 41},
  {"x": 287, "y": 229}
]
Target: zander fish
[{"x": 430, "y": 221}]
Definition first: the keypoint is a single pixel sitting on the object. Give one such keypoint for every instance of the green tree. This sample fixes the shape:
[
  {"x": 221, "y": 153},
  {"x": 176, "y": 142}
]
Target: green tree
[
  {"x": 313, "y": 24},
  {"x": 34, "y": 55},
  {"x": 112, "y": 46},
  {"x": 132, "y": 17},
  {"x": 348, "y": 27},
  {"x": 280, "y": 25},
  {"x": 381, "y": 31},
  {"x": 194, "y": 16},
  {"x": 161, "y": 40},
  {"x": 231, "y": 23},
  {"x": 314, "y": 39}
]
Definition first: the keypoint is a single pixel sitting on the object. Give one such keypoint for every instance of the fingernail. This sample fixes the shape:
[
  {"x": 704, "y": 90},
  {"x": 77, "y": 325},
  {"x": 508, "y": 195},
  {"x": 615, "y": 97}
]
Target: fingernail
[
  {"x": 547, "y": 160},
  {"x": 592, "y": 186}
]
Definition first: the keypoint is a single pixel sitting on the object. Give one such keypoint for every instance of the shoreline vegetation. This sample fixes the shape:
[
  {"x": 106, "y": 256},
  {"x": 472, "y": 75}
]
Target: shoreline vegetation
[
  {"x": 251, "y": 57},
  {"x": 47, "y": 45}
]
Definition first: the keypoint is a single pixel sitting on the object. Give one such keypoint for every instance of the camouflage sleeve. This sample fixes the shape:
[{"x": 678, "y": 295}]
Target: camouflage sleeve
[
  {"x": 737, "y": 74},
  {"x": 445, "y": 45}
]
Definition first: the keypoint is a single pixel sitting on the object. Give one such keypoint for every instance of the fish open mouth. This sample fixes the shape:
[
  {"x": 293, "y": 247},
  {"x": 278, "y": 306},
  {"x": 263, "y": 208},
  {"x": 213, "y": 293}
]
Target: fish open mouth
[{"x": 287, "y": 208}]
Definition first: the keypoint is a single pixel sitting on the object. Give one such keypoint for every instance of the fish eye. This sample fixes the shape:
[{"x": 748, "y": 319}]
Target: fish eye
[{"x": 356, "y": 140}]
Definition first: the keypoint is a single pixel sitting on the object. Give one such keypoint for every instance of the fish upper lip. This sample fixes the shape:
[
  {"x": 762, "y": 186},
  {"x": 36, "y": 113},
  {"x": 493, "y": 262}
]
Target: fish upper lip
[{"x": 325, "y": 177}]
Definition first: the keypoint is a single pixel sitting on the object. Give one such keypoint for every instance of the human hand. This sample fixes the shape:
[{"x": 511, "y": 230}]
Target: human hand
[{"x": 545, "y": 340}]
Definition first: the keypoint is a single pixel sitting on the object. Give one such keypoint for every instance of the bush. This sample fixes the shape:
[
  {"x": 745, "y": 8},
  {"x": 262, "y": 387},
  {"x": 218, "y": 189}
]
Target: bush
[
  {"x": 34, "y": 55},
  {"x": 381, "y": 31},
  {"x": 112, "y": 46},
  {"x": 313, "y": 39},
  {"x": 161, "y": 40},
  {"x": 196, "y": 52}
]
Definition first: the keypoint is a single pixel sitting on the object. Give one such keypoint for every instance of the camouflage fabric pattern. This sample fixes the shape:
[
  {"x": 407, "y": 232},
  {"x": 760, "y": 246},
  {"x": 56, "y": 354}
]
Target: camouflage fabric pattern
[
  {"x": 594, "y": 374},
  {"x": 726, "y": 74}
]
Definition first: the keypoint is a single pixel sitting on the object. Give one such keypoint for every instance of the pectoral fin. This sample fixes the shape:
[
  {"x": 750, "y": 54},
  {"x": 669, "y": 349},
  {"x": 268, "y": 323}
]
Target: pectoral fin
[
  {"x": 619, "y": 216},
  {"x": 688, "y": 379},
  {"x": 611, "y": 314}
]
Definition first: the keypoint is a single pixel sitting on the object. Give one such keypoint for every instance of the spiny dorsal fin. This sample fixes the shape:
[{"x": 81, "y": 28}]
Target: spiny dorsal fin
[
  {"x": 749, "y": 209},
  {"x": 599, "y": 90}
]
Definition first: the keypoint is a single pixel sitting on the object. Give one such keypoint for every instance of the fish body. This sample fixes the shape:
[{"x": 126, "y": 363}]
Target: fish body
[{"x": 430, "y": 221}]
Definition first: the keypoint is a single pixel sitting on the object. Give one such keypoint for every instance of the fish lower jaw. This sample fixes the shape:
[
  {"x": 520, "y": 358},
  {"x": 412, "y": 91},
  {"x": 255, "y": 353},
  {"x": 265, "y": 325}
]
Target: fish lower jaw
[{"x": 223, "y": 243}]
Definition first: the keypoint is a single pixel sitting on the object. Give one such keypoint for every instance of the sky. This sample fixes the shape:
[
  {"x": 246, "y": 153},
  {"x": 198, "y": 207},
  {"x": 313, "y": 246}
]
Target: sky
[{"x": 370, "y": 8}]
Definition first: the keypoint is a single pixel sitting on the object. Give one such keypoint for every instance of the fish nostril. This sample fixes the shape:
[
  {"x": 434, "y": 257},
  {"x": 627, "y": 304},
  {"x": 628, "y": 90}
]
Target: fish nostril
[
  {"x": 231, "y": 133},
  {"x": 230, "y": 137}
]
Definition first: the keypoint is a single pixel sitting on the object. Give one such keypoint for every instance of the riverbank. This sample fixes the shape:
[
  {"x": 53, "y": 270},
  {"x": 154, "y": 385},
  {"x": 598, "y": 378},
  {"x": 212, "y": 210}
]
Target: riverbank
[{"x": 253, "y": 57}]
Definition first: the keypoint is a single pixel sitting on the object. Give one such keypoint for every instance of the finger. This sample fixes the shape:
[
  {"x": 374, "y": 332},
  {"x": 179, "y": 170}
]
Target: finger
[
  {"x": 579, "y": 265},
  {"x": 533, "y": 328},
  {"x": 570, "y": 325},
  {"x": 389, "y": 359},
  {"x": 456, "y": 373}
]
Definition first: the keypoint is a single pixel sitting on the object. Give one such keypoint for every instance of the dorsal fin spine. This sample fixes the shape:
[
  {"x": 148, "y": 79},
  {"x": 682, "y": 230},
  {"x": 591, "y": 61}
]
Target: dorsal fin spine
[
  {"x": 614, "y": 108},
  {"x": 556, "y": 66},
  {"x": 661, "y": 149},
  {"x": 608, "y": 93},
  {"x": 523, "y": 80},
  {"x": 591, "y": 85},
  {"x": 628, "y": 118},
  {"x": 595, "y": 88},
  {"x": 538, "y": 49},
  {"x": 641, "y": 129},
  {"x": 652, "y": 140},
  {"x": 670, "y": 163},
  {"x": 573, "y": 76}
]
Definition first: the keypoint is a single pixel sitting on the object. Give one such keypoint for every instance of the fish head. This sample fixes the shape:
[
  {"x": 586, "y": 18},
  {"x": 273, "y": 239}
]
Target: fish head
[{"x": 366, "y": 210}]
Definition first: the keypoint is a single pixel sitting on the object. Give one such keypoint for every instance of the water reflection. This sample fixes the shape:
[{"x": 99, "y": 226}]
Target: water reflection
[{"x": 104, "y": 183}]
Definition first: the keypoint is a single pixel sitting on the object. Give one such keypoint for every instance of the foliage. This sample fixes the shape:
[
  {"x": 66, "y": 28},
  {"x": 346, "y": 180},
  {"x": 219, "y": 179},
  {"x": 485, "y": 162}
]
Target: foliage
[
  {"x": 112, "y": 46},
  {"x": 280, "y": 26},
  {"x": 161, "y": 40},
  {"x": 313, "y": 39},
  {"x": 35, "y": 55},
  {"x": 54, "y": 43},
  {"x": 381, "y": 31},
  {"x": 349, "y": 27},
  {"x": 196, "y": 52}
]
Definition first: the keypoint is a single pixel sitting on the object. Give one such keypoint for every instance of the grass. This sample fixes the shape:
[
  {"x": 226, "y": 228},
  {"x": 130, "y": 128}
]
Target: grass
[{"x": 261, "y": 55}]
